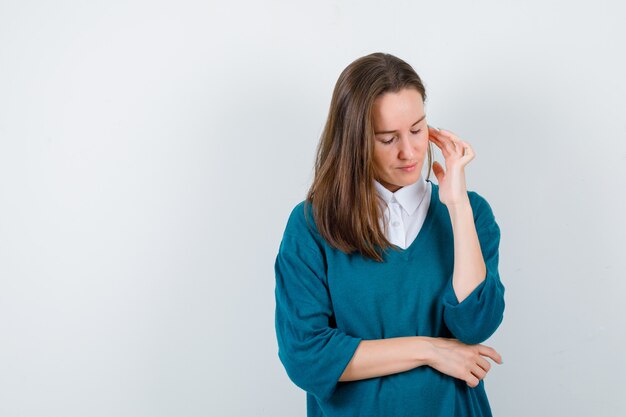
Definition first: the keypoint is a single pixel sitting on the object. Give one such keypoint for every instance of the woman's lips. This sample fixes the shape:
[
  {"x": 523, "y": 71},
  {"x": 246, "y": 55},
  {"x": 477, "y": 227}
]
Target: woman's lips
[{"x": 408, "y": 168}]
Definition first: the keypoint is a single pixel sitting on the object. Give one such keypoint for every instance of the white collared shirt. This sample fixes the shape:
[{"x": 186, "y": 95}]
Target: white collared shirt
[{"x": 405, "y": 211}]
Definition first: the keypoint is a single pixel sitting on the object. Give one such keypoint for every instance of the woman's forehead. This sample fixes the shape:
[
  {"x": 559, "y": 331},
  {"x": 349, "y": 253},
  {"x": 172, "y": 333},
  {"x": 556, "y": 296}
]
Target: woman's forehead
[{"x": 395, "y": 110}]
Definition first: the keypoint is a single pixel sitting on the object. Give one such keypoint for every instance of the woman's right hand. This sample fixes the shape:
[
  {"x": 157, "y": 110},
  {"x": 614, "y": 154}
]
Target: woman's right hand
[{"x": 466, "y": 362}]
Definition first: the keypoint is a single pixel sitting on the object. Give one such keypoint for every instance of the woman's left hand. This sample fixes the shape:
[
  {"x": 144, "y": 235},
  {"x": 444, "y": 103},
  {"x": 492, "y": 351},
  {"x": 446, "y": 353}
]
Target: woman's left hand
[{"x": 457, "y": 153}]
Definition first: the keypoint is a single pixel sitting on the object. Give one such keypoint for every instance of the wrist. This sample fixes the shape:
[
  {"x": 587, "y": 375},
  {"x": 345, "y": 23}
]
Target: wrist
[
  {"x": 424, "y": 350},
  {"x": 460, "y": 209},
  {"x": 459, "y": 204}
]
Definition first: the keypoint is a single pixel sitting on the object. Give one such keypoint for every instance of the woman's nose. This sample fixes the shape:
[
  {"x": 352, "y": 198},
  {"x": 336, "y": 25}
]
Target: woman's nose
[{"x": 406, "y": 148}]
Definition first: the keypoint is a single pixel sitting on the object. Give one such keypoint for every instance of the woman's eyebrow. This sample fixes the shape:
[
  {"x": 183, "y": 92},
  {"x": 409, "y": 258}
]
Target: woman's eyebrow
[{"x": 393, "y": 131}]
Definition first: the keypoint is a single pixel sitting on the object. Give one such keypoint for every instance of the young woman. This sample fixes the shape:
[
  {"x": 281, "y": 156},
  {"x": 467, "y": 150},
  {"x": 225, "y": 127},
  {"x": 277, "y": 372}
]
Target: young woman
[{"x": 387, "y": 283}]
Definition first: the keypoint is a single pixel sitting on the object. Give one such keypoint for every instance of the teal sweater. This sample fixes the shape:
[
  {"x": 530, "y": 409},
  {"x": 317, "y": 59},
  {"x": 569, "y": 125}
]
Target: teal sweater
[{"x": 328, "y": 301}]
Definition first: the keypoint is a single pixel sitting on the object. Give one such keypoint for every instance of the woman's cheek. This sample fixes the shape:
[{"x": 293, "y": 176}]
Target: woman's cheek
[{"x": 424, "y": 141}]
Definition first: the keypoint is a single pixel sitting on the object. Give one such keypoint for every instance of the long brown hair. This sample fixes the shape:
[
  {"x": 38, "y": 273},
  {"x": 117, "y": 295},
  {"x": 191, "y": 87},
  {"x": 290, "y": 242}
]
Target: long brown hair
[{"x": 345, "y": 202}]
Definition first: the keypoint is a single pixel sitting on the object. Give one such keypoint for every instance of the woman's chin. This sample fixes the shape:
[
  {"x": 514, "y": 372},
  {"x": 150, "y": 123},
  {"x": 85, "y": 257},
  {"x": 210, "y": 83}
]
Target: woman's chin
[{"x": 408, "y": 179}]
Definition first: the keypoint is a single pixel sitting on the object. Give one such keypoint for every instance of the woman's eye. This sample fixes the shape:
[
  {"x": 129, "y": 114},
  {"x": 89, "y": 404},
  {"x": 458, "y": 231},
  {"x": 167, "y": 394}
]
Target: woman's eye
[{"x": 388, "y": 142}]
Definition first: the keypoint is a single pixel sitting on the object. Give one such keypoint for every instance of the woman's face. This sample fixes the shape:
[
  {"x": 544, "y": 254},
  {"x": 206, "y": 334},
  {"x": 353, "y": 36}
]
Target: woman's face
[{"x": 400, "y": 138}]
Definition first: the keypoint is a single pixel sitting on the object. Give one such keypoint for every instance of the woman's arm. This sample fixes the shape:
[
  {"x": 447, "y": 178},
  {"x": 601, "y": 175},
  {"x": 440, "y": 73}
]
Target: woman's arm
[
  {"x": 469, "y": 265},
  {"x": 474, "y": 298},
  {"x": 380, "y": 357},
  {"x": 375, "y": 358}
]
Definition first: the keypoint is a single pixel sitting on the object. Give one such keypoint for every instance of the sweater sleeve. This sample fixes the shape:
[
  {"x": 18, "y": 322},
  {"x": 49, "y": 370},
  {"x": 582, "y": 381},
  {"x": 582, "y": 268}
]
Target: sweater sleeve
[
  {"x": 312, "y": 350},
  {"x": 478, "y": 316}
]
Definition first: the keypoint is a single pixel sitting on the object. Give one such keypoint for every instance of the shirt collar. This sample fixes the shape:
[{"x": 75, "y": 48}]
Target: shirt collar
[{"x": 408, "y": 197}]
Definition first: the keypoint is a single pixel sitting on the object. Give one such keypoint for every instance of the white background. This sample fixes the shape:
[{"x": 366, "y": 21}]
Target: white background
[{"x": 151, "y": 151}]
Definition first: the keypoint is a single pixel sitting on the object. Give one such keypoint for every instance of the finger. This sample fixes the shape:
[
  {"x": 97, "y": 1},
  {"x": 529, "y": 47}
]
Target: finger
[
  {"x": 490, "y": 353},
  {"x": 460, "y": 144},
  {"x": 483, "y": 363},
  {"x": 472, "y": 381},
  {"x": 445, "y": 151},
  {"x": 468, "y": 151},
  {"x": 452, "y": 141},
  {"x": 434, "y": 133},
  {"x": 444, "y": 143},
  {"x": 438, "y": 171},
  {"x": 448, "y": 134},
  {"x": 479, "y": 372},
  {"x": 435, "y": 139}
]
